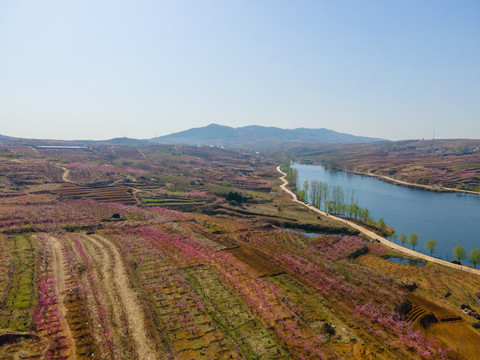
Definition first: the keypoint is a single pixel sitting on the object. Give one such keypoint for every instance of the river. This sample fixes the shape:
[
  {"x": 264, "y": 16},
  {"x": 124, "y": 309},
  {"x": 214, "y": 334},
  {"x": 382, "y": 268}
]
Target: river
[{"x": 449, "y": 218}]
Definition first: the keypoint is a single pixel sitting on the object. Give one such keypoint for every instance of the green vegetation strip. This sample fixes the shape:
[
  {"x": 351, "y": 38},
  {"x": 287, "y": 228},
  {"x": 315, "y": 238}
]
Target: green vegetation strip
[
  {"x": 16, "y": 313},
  {"x": 10, "y": 155},
  {"x": 236, "y": 320},
  {"x": 168, "y": 203}
]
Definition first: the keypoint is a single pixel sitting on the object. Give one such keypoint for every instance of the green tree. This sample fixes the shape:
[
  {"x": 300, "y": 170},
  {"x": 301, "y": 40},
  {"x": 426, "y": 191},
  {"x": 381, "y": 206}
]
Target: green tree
[
  {"x": 235, "y": 197},
  {"x": 394, "y": 236},
  {"x": 459, "y": 253},
  {"x": 342, "y": 209},
  {"x": 430, "y": 245},
  {"x": 413, "y": 240},
  {"x": 474, "y": 257},
  {"x": 306, "y": 185},
  {"x": 364, "y": 214},
  {"x": 402, "y": 238},
  {"x": 353, "y": 211},
  {"x": 381, "y": 224},
  {"x": 338, "y": 197},
  {"x": 324, "y": 193},
  {"x": 292, "y": 176},
  {"x": 301, "y": 195},
  {"x": 330, "y": 207}
]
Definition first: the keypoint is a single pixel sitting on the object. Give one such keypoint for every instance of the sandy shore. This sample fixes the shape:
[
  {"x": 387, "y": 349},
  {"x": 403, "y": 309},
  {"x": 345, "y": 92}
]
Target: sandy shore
[{"x": 375, "y": 236}]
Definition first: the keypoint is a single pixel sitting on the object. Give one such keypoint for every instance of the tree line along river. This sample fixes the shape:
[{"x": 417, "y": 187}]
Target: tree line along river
[{"x": 450, "y": 218}]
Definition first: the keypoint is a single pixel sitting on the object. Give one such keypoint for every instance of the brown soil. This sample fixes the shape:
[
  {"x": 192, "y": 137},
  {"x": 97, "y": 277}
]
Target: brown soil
[
  {"x": 59, "y": 273},
  {"x": 354, "y": 352},
  {"x": 65, "y": 174},
  {"x": 116, "y": 280},
  {"x": 451, "y": 329},
  {"x": 399, "y": 270},
  {"x": 15, "y": 346},
  {"x": 117, "y": 194},
  {"x": 259, "y": 265}
]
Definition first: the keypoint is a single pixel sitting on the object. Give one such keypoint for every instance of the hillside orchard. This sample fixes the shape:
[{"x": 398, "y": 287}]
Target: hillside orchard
[{"x": 195, "y": 253}]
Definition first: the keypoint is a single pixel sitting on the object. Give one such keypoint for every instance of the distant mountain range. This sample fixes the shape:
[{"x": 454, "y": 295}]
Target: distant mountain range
[
  {"x": 258, "y": 136},
  {"x": 252, "y": 137}
]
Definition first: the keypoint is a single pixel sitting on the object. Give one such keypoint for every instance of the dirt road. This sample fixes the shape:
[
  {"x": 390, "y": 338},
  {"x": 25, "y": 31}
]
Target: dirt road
[
  {"x": 373, "y": 235},
  {"x": 65, "y": 174},
  {"x": 59, "y": 273},
  {"x": 123, "y": 297}
]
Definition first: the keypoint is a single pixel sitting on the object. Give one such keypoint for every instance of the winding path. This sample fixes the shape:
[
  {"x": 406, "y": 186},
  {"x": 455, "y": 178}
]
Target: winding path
[
  {"x": 65, "y": 174},
  {"x": 373, "y": 235}
]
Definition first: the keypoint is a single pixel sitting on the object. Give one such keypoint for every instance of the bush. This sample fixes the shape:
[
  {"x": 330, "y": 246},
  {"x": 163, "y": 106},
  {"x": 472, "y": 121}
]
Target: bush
[
  {"x": 328, "y": 328},
  {"x": 236, "y": 197},
  {"x": 72, "y": 228}
]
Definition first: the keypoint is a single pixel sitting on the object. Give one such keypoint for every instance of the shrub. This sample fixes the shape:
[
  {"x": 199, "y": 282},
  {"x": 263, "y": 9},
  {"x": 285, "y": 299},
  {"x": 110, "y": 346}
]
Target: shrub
[{"x": 236, "y": 197}]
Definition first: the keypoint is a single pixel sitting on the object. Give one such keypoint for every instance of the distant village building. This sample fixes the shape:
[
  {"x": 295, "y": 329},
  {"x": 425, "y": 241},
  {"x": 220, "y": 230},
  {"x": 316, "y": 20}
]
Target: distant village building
[{"x": 62, "y": 147}]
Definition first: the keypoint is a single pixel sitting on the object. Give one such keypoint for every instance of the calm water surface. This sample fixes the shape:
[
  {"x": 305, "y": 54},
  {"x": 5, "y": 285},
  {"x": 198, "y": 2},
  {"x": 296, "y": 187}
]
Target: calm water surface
[
  {"x": 406, "y": 261},
  {"x": 449, "y": 218}
]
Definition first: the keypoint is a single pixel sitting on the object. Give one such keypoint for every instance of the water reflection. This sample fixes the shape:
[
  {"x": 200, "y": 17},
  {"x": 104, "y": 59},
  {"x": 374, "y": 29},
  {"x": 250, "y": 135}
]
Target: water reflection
[
  {"x": 446, "y": 217},
  {"x": 406, "y": 261}
]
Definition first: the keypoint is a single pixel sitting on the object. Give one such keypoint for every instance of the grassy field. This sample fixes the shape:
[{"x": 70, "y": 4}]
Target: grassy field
[{"x": 18, "y": 285}]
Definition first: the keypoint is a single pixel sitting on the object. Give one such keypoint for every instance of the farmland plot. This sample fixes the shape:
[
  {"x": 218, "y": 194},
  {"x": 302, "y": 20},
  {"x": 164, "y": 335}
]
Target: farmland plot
[
  {"x": 86, "y": 272},
  {"x": 117, "y": 194}
]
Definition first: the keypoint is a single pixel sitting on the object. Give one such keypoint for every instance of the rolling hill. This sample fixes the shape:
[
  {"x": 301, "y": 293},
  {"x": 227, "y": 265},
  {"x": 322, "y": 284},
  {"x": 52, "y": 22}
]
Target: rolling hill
[
  {"x": 252, "y": 137},
  {"x": 257, "y": 136}
]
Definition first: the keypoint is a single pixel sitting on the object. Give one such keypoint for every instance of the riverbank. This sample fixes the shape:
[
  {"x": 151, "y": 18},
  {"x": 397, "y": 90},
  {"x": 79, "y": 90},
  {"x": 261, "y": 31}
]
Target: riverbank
[
  {"x": 393, "y": 181},
  {"x": 373, "y": 235}
]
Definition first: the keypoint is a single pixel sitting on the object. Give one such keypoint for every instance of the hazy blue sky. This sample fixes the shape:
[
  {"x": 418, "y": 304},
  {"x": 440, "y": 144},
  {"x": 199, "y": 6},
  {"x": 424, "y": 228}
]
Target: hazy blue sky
[{"x": 101, "y": 69}]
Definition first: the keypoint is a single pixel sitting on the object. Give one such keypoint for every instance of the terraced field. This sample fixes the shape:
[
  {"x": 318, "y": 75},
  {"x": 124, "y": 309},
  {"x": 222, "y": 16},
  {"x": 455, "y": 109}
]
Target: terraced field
[
  {"x": 116, "y": 194},
  {"x": 87, "y": 272},
  {"x": 148, "y": 293},
  {"x": 173, "y": 202}
]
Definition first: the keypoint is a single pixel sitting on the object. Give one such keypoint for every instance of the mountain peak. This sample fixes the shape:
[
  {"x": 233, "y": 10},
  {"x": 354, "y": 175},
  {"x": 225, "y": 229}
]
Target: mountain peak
[{"x": 256, "y": 136}]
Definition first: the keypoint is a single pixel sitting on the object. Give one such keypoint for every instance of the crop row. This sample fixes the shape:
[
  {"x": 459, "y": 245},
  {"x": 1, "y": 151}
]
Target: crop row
[
  {"x": 120, "y": 194},
  {"x": 183, "y": 322},
  {"x": 260, "y": 296},
  {"x": 46, "y": 313}
]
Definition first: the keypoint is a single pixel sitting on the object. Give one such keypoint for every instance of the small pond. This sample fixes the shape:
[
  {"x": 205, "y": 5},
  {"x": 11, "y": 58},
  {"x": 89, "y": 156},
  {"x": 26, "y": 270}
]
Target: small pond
[
  {"x": 406, "y": 261},
  {"x": 309, "y": 234}
]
